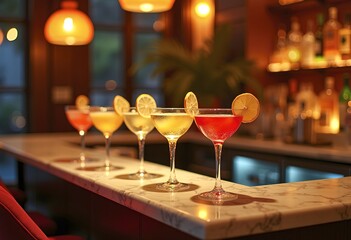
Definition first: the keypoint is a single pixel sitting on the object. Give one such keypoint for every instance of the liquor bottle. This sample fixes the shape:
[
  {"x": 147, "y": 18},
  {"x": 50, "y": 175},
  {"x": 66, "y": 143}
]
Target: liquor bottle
[
  {"x": 331, "y": 37},
  {"x": 307, "y": 46},
  {"x": 347, "y": 129},
  {"x": 318, "y": 43},
  {"x": 345, "y": 38},
  {"x": 291, "y": 101},
  {"x": 329, "y": 105},
  {"x": 294, "y": 43},
  {"x": 280, "y": 54},
  {"x": 307, "y": 112},
  {"x": 344, "y": 97},
  {"x": 309, "y": 99}
]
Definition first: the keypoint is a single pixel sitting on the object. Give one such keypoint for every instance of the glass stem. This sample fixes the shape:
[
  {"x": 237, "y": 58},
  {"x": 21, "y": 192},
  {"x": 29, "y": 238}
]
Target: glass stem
[
  {"x": 172, "y": 148},
  {"x": 82, "y": 145},
  {"x": 218, "y": 153},
  {"x": 141, "y": 144},
  {"x": 107, "y": 146}
]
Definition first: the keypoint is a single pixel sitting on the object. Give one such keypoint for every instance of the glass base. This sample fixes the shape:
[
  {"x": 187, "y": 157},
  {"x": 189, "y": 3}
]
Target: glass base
[
  {"x": 143, "y": 175},
  {"x": 77, "y": 160},
  {"x": 107, "y": 168},
  {"x": 172, "y": 187},
  {"x": 218, "y": 195},
  {"x": 89, "y": 159}
]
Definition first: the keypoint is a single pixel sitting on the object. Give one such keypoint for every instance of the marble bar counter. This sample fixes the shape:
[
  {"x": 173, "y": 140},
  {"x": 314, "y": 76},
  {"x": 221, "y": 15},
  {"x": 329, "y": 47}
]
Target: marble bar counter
[{"x": 258, "y": 210}]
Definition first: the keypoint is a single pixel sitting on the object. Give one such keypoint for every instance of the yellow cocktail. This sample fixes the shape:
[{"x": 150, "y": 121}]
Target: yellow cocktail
[
  {"x": 172, "y": 123},
  {"x": 107, "y": 122}
]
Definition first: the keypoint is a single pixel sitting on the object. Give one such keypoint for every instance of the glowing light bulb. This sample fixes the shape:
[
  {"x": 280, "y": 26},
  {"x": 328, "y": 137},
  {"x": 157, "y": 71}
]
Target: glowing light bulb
[
  {"x": 12, "y": 34},
  {"x": 146, "y": 7},
  {"x": 68, "y": 24},
  {"x": 202, "y": 9}
]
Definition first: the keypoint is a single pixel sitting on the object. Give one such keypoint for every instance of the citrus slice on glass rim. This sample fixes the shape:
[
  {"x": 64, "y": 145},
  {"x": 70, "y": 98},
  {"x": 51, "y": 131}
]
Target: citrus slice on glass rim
[
  {"x": 144, "y": 105},
  {"x": 120, "y": 105},
  {"x": 82, "y": 102},
  {"x": 247, "y": 106},
  {"x": 191, "y": 104}
]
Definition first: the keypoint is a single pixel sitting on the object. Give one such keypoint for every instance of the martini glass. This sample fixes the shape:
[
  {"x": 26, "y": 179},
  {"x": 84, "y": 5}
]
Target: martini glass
[
  {"x": 217, "y": 125},
  {"x": 172, "y": 123},
  {"x": 107, "y": 122},
  {"x": 140, "y": 126},
  {"x": 80, "y": 119}
]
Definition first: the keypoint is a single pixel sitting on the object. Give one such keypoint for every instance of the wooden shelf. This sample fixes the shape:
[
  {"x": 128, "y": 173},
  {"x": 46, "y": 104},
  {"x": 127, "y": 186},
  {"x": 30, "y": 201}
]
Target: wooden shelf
[{"x": 303, "y": 6}]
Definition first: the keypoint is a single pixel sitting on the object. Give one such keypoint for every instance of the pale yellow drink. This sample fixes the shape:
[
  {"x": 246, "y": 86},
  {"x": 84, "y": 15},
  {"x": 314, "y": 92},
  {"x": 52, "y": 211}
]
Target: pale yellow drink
[
  {"x": 140, "y": 126},
  {"x": 106, "y": 122},
  {"x": 137, "y": 124},
  {"x": 172, "y": 125}
]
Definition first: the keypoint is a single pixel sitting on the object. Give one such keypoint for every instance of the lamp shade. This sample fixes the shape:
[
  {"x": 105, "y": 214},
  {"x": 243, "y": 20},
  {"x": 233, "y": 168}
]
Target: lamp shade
[
  {"x": 146, "y": 5},
  {"x": 69, "y": 26}
]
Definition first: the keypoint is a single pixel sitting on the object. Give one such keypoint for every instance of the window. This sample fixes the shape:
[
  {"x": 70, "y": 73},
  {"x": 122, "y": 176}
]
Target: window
[
  {"x": 13, "y": 55},
  {"x": 119, "y": 41}
]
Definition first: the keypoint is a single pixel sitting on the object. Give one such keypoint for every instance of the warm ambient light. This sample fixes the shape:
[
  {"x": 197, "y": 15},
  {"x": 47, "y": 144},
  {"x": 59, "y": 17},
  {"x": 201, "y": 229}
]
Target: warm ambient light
[
  {"x": 12, "y": 34},
  {"x": 69, "y": 26},
  {"x": 202, "y": 22},
  {"x": 287, "y": 2},
  {"x": 1, "y": 36},
  {"x": 202, "y": 9},
  {"x": 146, "y": 5}
]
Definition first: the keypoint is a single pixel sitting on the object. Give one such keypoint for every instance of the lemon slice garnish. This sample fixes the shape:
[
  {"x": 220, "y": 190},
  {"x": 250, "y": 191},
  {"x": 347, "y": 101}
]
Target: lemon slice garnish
[
  {"x": 120, "y": 105},
  {"x": 190, "y": 104},
  {"x": 247, "y": 106},
  {"x": 144, "y": 105},
  {"x": 82, "y": 102}
]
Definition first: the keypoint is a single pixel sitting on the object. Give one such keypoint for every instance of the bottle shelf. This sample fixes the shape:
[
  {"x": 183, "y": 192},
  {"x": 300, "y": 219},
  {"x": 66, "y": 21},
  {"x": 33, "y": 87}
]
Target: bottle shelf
[
  {"x": 281, "y": 67},
  {"x": 302, "y": 6}
]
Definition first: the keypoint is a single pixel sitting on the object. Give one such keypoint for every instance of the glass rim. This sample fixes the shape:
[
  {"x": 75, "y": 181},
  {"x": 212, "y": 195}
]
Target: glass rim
[
  {"x": 169, "y": 108},
  {"x": 215, "y": 109},
  {"x": 76, "y": 107},
  {"x": 101, "y": 107}
]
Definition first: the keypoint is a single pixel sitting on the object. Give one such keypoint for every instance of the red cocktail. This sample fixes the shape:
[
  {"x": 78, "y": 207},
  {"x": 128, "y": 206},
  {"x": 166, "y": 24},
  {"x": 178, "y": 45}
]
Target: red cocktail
[
  {"x": 217, "y": 125},
  {"x": 80, "y": 119}
]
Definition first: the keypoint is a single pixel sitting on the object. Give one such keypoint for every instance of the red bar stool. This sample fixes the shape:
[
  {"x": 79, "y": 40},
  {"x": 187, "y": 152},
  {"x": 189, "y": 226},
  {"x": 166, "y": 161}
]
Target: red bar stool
[
  {"x": 47, "y": 225},
  {"x": 17, "y": 224}
]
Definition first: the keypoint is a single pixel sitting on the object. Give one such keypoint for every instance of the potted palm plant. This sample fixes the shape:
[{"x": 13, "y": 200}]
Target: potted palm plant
[{"x": 209, "y": 72}]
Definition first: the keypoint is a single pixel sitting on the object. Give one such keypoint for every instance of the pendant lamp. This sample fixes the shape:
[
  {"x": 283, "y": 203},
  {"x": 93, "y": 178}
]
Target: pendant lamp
[
  {"x": 145, "y": 6},
  {"x": 69, "y": 26}
]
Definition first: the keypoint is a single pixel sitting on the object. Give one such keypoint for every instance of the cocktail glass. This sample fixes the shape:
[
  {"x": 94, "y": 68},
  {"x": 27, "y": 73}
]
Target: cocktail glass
[
  {"x": 140, "y": 126},
  {"x": 80, "y": 119},
  {"x": 107, "y": 122},
  {"x": 172, "y": 123},
  {"x": 217, "y": 125}
]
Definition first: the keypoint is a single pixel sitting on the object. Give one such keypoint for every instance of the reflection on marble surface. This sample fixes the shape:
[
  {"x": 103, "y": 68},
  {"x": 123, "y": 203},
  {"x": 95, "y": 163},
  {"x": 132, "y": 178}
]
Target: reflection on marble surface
[{"x": 257, "y": 210}]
